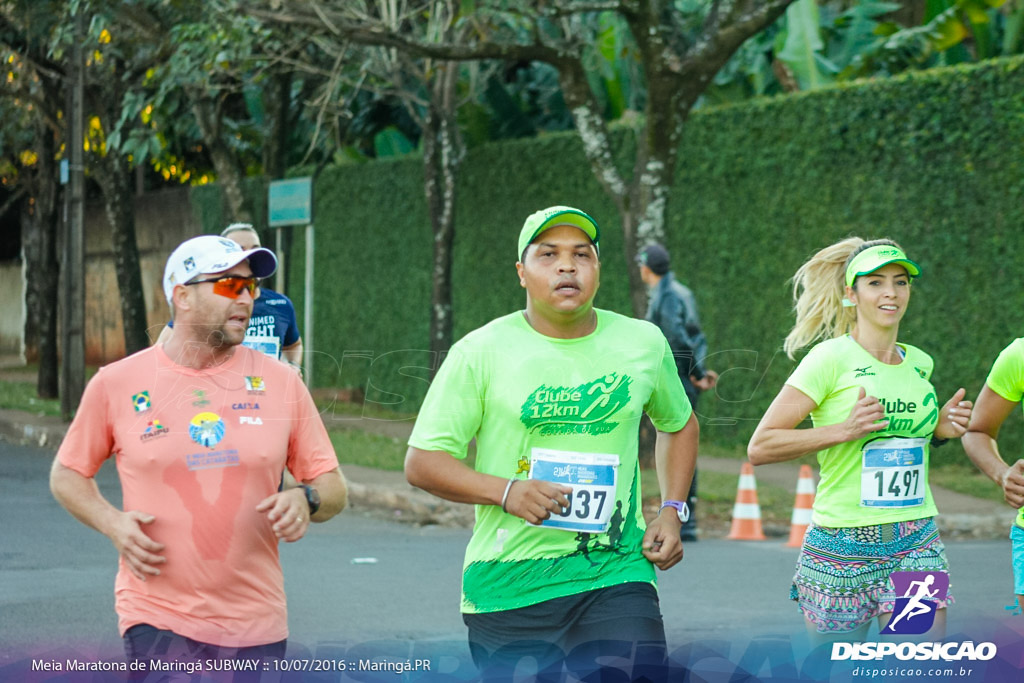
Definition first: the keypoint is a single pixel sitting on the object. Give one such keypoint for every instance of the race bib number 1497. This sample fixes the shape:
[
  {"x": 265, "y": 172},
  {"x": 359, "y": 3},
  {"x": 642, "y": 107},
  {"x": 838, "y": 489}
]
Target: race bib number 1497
[{"x": 893, "y": 473}]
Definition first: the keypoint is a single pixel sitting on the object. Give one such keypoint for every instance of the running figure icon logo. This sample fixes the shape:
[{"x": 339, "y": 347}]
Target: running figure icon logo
[{"x": 917, "y": 597}]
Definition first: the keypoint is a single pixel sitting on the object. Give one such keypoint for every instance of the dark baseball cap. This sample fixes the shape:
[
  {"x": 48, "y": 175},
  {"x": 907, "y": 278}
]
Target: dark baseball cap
[{"x": 655, "y": 257}]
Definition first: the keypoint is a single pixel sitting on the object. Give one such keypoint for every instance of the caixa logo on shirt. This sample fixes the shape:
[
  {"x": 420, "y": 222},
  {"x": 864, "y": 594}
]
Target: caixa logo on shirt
[{"x": 583, "y": 409}]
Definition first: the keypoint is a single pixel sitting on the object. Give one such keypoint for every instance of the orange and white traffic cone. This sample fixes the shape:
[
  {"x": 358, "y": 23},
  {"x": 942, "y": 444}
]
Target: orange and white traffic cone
[
  {"x": 746, "y": 513},
  {"x": 802, "y": 507}
]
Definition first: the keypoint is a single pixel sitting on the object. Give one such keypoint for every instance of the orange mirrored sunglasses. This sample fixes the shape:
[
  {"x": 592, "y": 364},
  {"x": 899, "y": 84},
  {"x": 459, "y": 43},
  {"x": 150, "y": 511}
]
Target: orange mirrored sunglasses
[{"x": 232, "y": 286}]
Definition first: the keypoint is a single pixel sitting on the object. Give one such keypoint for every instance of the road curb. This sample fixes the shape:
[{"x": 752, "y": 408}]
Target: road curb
[
  {"x": 966, "y": 526},
  {"x": 410, "y": 506},
  {"x": 27, "y": 429}
]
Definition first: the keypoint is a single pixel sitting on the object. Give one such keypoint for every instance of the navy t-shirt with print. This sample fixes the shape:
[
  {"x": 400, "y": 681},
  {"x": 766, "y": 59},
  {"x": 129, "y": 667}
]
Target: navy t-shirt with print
[{"x": 272, "y": 326}]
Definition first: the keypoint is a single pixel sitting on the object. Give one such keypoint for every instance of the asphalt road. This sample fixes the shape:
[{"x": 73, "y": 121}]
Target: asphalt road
[{"x": 56, "y": 584}]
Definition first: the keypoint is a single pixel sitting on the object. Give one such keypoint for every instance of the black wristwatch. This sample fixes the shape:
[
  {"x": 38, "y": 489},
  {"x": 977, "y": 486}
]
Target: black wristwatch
[{"x": 312, "y": 498}]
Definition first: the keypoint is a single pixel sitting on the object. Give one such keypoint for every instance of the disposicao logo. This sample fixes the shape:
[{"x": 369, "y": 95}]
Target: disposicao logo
[
  {"x": 947, "y": 652},
  {"x": 917, "y": 597}
]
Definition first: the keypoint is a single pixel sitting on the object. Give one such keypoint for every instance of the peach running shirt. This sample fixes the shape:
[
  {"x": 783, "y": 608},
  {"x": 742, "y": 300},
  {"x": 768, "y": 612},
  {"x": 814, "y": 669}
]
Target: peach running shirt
[{"x": 199, "y": 450}]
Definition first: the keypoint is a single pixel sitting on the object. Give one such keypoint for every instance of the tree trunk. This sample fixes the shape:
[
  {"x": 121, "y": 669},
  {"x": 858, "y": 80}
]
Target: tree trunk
[
  {"x": 42, "y": 271},
  {"x": 276, "y": 107},
  {"x": 115, "y": 180},
  {"x": 229, "y": 177},
  {"x": 442, "y": 155},
  {"x": 40, "y": 220}
]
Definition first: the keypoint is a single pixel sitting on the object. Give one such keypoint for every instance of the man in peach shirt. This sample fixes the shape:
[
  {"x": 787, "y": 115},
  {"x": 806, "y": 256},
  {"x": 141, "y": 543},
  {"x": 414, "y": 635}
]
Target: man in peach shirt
[{"x": 202, "y": 430}]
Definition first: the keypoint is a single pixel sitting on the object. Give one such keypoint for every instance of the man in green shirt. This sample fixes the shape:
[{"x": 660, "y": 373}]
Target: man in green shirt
[{"x": 561, "y": 561}]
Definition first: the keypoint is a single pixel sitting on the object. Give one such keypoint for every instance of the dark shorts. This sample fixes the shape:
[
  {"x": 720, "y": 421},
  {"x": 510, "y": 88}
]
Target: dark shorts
[
  {"x": 622, "y": 622},
  {"x": 146, "y": 643}
]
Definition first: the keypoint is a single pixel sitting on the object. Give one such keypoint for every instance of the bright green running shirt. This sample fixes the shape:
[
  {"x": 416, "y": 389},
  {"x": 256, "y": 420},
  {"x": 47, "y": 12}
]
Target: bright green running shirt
[
  {"x": 872, "y": 480},
  {"x": 1007, "y": 380},
  {"x": 515, "y": 391}
]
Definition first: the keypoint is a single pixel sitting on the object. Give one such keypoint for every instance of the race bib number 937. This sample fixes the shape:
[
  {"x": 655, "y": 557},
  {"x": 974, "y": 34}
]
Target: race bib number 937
[{"x": 592, "y": 477}]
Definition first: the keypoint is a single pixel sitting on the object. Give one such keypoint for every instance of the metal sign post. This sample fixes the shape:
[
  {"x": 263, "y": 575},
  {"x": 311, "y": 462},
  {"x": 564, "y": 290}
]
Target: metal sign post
[{"x": 290, "y": 202}]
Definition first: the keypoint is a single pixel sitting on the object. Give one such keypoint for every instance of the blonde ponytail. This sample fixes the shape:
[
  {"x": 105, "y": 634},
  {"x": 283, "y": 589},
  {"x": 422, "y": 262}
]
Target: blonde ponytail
[
  {"x": 819, "y": 287},
  {"x": 818, "y": 290}
]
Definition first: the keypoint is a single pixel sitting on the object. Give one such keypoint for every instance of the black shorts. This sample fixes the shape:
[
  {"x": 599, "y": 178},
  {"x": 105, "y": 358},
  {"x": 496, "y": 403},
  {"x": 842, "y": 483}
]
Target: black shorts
[
  {"x": 186, "y": 659},
  {"x": 621, "y": 622}
]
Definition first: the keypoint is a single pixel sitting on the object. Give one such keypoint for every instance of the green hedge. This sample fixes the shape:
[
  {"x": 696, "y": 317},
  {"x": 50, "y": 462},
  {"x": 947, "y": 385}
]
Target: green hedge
[{"x": 931, "y": 159}]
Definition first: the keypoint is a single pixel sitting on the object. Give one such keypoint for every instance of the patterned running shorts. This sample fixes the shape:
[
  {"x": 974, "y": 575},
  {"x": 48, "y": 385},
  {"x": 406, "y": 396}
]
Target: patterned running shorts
[{"x": 842, "y": 575}]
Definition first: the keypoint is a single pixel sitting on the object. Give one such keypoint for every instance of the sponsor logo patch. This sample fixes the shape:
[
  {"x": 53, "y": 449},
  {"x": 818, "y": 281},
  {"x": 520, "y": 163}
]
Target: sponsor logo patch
[
  {"x": 212, "y": 460},
  {"x": 141, "y": 401},
  {"x": 154, "y": 429},
  {"x": 207, "y": 429}
]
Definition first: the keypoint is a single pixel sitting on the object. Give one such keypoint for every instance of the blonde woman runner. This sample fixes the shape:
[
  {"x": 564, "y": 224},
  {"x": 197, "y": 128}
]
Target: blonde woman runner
[{"x": 875, "y": 417}]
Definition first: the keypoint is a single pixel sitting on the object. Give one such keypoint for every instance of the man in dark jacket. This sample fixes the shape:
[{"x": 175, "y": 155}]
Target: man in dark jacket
[{"x": 673, "y": 309}]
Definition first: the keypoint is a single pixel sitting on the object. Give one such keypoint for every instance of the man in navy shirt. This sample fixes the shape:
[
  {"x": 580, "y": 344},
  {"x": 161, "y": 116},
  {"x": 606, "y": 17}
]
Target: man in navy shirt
[{"x": 273, "y": 328}]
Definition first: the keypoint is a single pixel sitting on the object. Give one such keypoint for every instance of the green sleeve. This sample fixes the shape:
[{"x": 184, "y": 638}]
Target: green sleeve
[
  {"x": 668, "y": 407},
  {"x": 1007, "y": 375},
  {"x": 452, "y": 410},
  {"x": 815, "y": 375}
]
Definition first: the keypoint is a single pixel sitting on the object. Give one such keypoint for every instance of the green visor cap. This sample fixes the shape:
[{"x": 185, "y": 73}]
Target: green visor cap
[
  {"x": 873, "y": 258},
  {"x": 554, "y": 216}
]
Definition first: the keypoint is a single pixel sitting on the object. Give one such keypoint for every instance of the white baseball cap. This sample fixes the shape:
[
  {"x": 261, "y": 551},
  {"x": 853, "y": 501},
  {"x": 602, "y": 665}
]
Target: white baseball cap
[{"x": 212, "y": 254}]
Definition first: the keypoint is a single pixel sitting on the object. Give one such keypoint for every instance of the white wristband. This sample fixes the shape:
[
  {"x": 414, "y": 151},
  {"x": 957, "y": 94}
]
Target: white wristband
[{"x": 504, "y": 497}]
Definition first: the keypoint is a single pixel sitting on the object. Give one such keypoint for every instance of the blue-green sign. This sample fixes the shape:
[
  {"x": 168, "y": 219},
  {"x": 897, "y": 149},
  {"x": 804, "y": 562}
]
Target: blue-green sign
[{"x": 290, "y": 202}]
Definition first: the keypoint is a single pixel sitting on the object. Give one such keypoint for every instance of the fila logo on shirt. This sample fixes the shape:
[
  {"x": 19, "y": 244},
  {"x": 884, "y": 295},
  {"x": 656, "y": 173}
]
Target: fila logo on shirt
[{"x": 248, "y": 420}]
